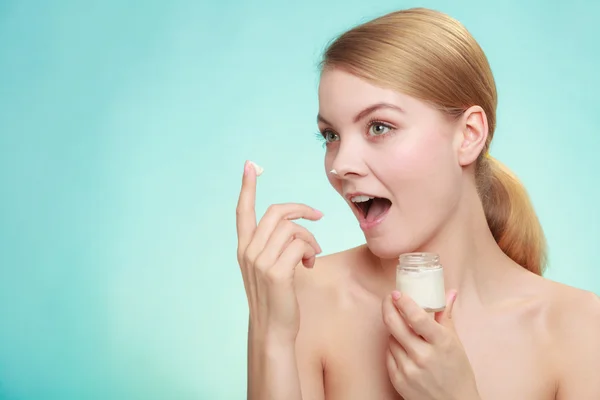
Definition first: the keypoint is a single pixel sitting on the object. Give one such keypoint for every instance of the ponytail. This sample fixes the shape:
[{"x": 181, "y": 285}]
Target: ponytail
[{"x": 511, "y": 217}]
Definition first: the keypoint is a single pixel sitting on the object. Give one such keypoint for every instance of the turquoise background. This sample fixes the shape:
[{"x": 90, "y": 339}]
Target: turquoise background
[{"x": 123, "y": 132}]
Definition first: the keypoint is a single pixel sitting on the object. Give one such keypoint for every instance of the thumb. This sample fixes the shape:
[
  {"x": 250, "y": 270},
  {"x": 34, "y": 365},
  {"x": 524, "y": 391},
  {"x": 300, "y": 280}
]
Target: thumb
[{"x": 445, "y": 317}]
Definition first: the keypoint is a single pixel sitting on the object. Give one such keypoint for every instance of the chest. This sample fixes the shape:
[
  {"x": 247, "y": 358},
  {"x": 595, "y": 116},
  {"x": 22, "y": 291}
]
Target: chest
[{"x": 507, "y": 361}]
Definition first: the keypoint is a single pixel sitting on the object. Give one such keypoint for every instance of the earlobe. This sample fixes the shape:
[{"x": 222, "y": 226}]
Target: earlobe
[{"x": 474, "y": 133}]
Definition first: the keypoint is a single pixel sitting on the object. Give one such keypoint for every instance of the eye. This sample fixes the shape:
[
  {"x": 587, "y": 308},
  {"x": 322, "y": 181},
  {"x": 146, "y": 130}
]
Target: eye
[
  {"x": 378, "y": 128},
  {"x": 330, "y": 136}
]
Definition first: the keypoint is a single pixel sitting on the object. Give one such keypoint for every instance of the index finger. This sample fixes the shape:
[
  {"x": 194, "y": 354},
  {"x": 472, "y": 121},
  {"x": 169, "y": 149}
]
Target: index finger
[
  {"x": 245, "y": 211},
  {"x": 419, "y": 320}
]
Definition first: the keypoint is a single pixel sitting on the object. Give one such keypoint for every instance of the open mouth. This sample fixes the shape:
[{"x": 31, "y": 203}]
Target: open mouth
[{"x": 371, "y": 208}]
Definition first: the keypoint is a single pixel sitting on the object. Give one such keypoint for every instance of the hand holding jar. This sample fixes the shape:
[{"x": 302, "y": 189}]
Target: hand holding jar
[{"x": 425, "y": 358}]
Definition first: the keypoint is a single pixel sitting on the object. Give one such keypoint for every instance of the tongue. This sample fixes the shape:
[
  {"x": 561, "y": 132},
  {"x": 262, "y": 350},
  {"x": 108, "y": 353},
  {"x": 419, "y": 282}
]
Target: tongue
[{"x": 378, "y": 207}]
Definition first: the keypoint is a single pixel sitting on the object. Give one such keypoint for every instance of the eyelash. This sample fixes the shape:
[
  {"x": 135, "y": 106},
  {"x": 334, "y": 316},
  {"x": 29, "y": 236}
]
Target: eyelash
[{"x": 321, "y": 135}]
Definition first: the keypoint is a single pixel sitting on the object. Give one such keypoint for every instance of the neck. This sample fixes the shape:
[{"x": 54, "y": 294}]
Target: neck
[{"x": 473, "y": 263}]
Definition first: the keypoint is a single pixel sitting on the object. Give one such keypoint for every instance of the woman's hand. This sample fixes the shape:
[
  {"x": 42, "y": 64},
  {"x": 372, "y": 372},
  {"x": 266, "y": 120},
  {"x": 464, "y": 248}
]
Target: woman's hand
[
  {"x": 426, "y": 359},
  {"x": 268, "y": 253}
]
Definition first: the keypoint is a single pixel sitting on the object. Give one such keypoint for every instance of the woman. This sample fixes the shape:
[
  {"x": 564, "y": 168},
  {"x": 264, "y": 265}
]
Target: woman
[{"x": 407, "y": 111}]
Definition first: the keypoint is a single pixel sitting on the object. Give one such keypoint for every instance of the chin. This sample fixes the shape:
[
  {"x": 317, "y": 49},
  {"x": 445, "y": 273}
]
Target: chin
[{"x": 388, "y": 248}]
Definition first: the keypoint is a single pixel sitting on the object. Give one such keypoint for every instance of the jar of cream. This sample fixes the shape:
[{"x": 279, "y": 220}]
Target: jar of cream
[{"x": 421, "y": 276}]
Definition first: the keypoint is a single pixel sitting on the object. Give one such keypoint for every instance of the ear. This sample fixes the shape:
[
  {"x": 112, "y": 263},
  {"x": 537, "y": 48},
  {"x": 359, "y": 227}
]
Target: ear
[{"x": 472, "y": 135}]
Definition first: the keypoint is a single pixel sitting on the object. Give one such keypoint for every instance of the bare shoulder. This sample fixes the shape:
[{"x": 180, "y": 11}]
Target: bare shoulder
[
  {"x": 572, "y": 309},
  {"x": 327, "y": 278},
  {"x": 319, "y": 290},
  {"x": 574, "y": 328},
  {"x": 331, "y": 287},
  {"x": 558, "y": 303},
  {"x": 565, "y": 309},
  {"x": 576, "y": 314}
]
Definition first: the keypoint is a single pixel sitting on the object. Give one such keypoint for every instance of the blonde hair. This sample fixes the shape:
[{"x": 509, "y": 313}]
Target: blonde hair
[{"x": 430, "y": 56}]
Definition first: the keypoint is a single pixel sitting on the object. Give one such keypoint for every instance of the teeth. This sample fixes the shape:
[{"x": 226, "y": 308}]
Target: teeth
[{"x": 361, "y": 199}]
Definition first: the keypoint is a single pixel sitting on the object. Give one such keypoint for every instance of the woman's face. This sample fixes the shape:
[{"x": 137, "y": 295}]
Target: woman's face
[{"x": 398, "y": 151}]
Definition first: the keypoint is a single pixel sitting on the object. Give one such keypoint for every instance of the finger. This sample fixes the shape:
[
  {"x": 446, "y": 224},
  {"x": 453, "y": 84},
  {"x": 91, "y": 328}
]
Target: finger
[
  {"x": 400, "y": 355},
  {"x": 271, "y": 219},
  {"x": 417, "y": 318},
  {"x": 287, "y": 211},
  {"x": 391, "y": 364},
  {"x": 285, "y": 233},
  {"x": 292, "y": 256},
  {"x": 400, "y": 330},
  {"x": 397, "y": 361},
  {"x": 245, "y": 211},
  {"x": 445, "y": 317}
]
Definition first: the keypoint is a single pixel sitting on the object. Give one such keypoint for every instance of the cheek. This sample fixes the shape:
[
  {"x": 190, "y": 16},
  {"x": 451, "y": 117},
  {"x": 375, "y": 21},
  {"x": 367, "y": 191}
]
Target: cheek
[
  {"x": 424, "y": 177},
  {"x": 416, "y": 162},
  {"x": 429, "y": 157}
]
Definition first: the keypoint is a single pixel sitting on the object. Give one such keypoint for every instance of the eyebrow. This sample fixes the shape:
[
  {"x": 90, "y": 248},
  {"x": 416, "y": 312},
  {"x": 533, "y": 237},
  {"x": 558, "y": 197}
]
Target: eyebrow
[{"x": 365, "y": 112}]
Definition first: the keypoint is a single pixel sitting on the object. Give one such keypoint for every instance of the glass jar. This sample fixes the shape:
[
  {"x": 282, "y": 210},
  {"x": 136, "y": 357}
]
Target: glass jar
[{"x": 421, "y": 276}]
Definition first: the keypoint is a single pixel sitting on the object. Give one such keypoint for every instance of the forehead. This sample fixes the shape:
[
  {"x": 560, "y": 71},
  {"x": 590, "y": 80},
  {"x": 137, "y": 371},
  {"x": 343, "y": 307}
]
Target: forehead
[
  {"x": 339, "y": 86},
  {"x": 342, "y": 93}
]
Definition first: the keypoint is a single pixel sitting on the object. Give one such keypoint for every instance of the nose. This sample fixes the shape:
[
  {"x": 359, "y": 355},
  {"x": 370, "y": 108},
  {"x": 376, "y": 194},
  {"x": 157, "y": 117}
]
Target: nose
[{"x": 348, "y": 162}]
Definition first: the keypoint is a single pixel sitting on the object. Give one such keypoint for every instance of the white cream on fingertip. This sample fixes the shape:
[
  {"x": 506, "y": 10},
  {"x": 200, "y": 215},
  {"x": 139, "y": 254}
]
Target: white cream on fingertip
[{"x": 257, "y": 168}]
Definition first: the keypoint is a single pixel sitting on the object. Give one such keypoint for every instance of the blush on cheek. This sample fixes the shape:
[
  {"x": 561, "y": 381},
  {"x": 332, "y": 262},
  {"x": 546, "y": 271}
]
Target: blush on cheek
[
  {"x": 409, "y": 162},
  {"x": 428, "y": 159}
]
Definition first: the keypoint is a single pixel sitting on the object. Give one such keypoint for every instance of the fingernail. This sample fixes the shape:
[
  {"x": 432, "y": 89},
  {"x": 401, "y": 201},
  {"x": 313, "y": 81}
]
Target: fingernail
[
  {"x": 308, "y": 262},
  {"x": 318, "y": 212},
  {"x": 246, "y": 167},
  {"x": 396, "y": 295}
]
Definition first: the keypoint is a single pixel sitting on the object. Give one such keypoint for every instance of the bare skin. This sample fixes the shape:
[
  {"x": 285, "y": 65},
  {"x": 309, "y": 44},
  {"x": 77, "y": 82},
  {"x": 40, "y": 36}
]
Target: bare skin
[
  {"x": 519, "y": 344},
  {"x": 334, "y": 328}
]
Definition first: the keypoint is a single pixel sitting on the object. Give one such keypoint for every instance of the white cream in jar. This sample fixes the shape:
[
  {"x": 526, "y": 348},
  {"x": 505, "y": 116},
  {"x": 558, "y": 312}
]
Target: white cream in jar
[{"x": 421, "y": 276}]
